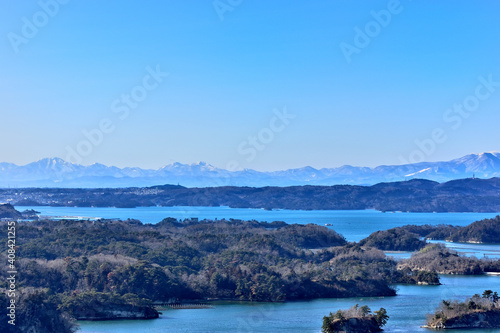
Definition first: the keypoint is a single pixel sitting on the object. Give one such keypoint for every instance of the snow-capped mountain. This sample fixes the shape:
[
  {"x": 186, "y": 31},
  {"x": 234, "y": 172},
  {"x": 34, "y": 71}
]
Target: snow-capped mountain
[{"x": 55, "y": 172}]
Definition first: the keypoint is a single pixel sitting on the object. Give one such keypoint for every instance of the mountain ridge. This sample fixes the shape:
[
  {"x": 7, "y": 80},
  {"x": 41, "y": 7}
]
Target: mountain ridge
[
  {"x": 416, "y": 195},
  {"x": 55, "y": 172}
]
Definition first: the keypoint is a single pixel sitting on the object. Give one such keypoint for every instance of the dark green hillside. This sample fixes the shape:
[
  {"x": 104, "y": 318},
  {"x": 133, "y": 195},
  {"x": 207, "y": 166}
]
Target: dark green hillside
[
  {"x": 417, "y": 195},
  {"x": 396, "y": 239},
  {"x": 8, "y": 211},
  {"x": 484, "y": 231},
  {"x": 229, "y": 259},
  {"x": 35, "y": 311},
  {"x": 434, "y": 232}
]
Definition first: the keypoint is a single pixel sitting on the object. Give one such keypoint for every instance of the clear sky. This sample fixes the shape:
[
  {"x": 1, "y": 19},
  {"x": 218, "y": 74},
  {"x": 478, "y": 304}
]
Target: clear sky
[{"x": 258, "y": 84}]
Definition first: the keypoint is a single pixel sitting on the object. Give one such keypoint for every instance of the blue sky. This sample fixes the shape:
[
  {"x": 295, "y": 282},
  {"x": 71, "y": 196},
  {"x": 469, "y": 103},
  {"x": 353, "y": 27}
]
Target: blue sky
[{"x": 233, "y": 66}]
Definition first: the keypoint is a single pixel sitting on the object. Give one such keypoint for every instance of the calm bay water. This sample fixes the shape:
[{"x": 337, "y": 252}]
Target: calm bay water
[{"x": 407, "y": 311}]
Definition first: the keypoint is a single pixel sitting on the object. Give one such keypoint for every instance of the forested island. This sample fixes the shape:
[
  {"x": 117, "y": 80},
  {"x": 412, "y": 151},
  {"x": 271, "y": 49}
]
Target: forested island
[
  {"x": 478, "y": 311},
  {"x": 417, "y": 195},
  {"x": 354, "y": 320}
]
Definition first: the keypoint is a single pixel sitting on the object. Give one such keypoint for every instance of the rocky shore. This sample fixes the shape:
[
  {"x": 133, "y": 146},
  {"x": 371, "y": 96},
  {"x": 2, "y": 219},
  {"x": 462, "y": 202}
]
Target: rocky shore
[{"x": 478, "y": 319}]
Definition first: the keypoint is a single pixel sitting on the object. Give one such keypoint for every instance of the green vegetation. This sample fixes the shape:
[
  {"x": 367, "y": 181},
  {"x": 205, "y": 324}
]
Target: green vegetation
[
  {"x": 182, "y": 260},
  {"x": 8, "y": 211},
  {"x": 478, "y": 311},
  {"x": 120, "y": 269},
  {"x": 355, "y": 319},
  {"x": 396, "y": 239},
  {"x": 36, "y": 311},
  {"x": 438, "y": 258},
  {"x": 433, "y": 232},
  {"x": 100, "y": 306},
  {"x": 484, "y": 231}
]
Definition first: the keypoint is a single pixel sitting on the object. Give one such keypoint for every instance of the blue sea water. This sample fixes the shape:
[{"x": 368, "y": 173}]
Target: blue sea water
[{"x": 407, "y": 311}]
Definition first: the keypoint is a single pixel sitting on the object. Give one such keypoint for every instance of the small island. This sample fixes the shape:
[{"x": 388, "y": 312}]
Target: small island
[
  {"x": 478, "y": 311},
  {"x": 355, "y": 319},
  {"x": 7, "y": 211}
]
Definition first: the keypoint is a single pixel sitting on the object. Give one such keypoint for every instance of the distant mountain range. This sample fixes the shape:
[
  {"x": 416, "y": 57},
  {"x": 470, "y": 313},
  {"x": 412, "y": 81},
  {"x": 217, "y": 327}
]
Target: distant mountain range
[{"x": 55, "y": 172}]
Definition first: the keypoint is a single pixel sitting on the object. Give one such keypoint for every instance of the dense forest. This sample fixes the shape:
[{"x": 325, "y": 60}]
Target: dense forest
[
  {"x": 173, "y": 260},
  {"x": 432, "y": 232},
  {"x": 35, "y": 311},
  {"x": 405, "y": 238},
  {"x": 417, "y": 195},
  {"x": 8, "y": 211},
  {"x": 396, "y": 239},
  {"x": 484, "y": 231},
  {"x": 91, "y": 269}
]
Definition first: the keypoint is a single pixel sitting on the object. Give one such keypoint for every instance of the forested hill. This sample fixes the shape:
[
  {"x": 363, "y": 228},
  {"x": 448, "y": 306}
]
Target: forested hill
[
  {"x": 8, "y": 211},
  {"x": 417, "y": 195}
]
